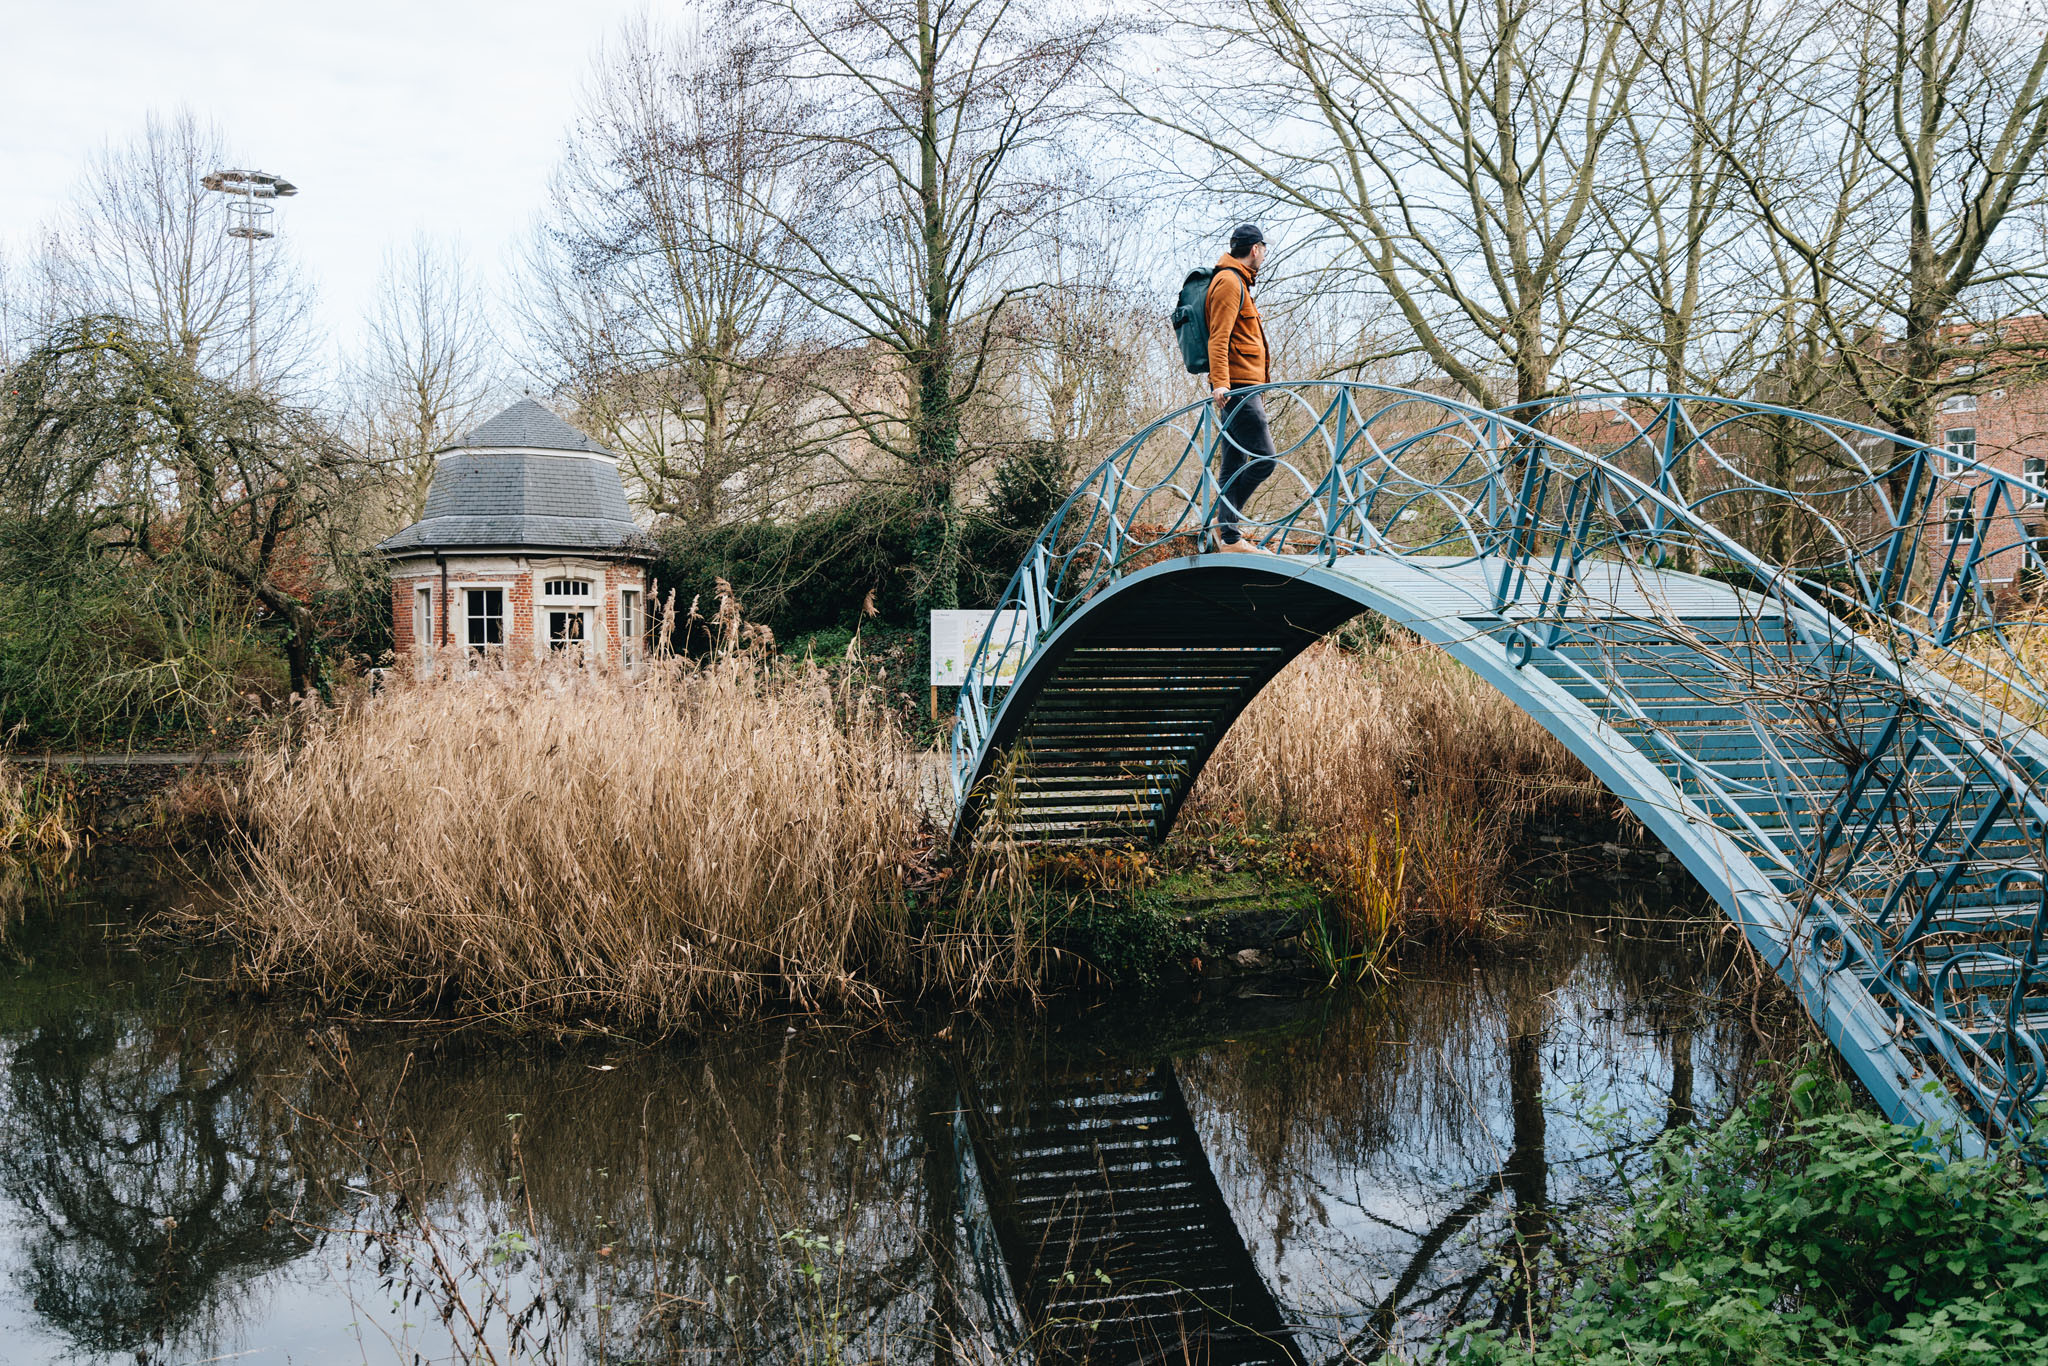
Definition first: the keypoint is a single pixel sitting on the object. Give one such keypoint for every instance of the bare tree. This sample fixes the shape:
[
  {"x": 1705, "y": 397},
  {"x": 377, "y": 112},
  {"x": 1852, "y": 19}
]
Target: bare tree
[
  {"x": 926, "y": 154},
  {"x": 148, "y": 242},
  {"x": 658, "y": 311},
  {"x": 111, "y": 444},
  {"x": 1929, "y": 119},
  {"x": 1084, "y": 363},
  {"x": 29, "y": 298},
  {"x": 1094, "y": 359},
  {"x": 1452, "y": 154},
  {"x": 429, "y": 368},
  {"x": 1699, "y": 293}
]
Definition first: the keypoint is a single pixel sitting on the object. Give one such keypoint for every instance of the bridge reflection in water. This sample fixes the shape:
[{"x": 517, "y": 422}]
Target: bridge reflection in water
[
  {"x": 1254, "y": 1185},
  {"x": 1118, "y": 1243}
]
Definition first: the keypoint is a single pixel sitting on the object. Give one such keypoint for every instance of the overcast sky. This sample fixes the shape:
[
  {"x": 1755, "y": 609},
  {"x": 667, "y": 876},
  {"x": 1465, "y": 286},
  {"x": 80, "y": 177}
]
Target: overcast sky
[{"x": 390, "y": 115}]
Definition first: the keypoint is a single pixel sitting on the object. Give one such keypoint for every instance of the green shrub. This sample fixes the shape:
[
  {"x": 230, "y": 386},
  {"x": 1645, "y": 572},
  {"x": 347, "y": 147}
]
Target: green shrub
[
  {"x": 1810, "y": 1231},
  {"x": 817, "y": 572}
]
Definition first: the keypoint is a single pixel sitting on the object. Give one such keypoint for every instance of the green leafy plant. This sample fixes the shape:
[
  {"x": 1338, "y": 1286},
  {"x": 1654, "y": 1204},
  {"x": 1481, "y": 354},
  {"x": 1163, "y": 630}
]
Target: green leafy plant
[{"x": 1803, "y": 1229}]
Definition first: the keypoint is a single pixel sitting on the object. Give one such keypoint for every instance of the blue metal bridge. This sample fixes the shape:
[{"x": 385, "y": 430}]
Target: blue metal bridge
[{"x": 1804, "y": 652}]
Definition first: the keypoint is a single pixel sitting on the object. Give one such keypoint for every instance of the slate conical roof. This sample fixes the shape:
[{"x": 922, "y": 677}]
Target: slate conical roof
[
  {"x": 525, "y": 480},
  {"x": 529, "y": 426}
]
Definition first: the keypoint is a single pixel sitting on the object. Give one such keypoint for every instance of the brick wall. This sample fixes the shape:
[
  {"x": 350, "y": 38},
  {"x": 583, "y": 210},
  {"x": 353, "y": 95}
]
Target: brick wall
[
  {"x": 2007, "y": 427},
  {"x": 520, "y": 582}
]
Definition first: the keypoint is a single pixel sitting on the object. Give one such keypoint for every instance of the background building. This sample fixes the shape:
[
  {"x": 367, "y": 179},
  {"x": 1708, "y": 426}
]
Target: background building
[{"x": 526, "y": 545}]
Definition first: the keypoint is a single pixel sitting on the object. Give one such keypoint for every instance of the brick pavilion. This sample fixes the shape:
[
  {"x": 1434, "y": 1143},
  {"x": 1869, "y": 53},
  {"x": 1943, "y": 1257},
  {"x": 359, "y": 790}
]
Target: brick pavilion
[{"x": 526, "y": 546}]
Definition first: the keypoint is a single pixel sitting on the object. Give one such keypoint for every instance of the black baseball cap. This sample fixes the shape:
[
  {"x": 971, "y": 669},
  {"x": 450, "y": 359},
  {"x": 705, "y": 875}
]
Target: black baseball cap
[{"x": 1244, "y": 237}]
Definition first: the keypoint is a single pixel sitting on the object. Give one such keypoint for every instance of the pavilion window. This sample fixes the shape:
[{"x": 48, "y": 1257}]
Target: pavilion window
[
  {"x": 2034, "y": 470},
  {"x": 565, "y": 629},
  {"x": 565, "y": 588},
  {"x": 485, "y": 617},
  {"x": 629, "y": 627}
]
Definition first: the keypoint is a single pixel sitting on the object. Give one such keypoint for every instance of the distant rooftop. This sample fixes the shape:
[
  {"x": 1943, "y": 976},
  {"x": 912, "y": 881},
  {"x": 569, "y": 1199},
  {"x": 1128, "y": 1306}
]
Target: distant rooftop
[
  {"x": 528, "y": 425},
  {"x": 515, "y": 483}
]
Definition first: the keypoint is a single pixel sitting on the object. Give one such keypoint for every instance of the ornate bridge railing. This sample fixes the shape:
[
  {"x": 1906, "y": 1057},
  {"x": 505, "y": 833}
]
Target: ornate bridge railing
[{"x": 1829, "y": 639}]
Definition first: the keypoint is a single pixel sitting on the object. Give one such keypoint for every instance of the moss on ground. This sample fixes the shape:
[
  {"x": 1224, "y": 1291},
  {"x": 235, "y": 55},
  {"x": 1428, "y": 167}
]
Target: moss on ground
[{"x": 1138, "y": 916}]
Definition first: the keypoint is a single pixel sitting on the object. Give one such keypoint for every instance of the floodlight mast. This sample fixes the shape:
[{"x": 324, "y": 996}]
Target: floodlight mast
[{"x": 253, "y": 191}]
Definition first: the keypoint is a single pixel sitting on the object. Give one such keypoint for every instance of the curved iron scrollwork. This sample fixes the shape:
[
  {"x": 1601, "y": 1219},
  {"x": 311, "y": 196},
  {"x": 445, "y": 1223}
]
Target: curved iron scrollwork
[{"x": 1832, "y": 639}]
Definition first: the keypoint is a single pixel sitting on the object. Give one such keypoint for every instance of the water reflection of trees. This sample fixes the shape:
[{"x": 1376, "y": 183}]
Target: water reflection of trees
[
  {"x": 1377, "y": 1154},
  {"x": 149, "y": 1167},
  {"x": 688, "y": 1193},
  {"x": 1415, "y": 1161}
]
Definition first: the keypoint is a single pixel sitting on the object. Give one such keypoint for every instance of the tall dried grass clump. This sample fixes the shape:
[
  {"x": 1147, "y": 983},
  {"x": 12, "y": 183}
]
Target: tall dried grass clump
[
  {"x": 556, "y": 842},
  {"x": 38, "y": 816},
  {"x": 1411, "y": 774}
]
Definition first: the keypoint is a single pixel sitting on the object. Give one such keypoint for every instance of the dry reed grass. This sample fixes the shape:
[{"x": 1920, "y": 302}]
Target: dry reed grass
[
  {"x": 1412, "y": 775},
  {"x": 555, "y": 843},
  {"x": 38, "y": 816}
]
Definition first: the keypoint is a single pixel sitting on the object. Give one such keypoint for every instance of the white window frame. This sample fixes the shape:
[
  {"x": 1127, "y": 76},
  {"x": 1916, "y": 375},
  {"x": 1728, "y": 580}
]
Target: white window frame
[
  {"x": 504, "y": 642},
  {"x": 423, "y": 627},
  {"x": 1958, "y": 520},
  {"x": 1959, "y": 403},
  {"x": 1956, "y": 450},
  {"x": 2033, "y": 554},
  {"x": 582, "y": 612},
  {"x": 2034, "y": 469},
  {"x": 547, "y": 598},
  {"x": 631, "y": 626}
]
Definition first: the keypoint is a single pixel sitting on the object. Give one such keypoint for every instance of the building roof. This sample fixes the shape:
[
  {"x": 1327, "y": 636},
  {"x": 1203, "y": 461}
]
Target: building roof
[
  {"x": 526, "y": 425},
  {"x": 525, "y": 480}
]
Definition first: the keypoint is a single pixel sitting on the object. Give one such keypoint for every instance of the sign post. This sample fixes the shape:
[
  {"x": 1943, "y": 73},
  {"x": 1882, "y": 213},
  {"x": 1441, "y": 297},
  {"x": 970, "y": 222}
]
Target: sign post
[{"x": 955, "y": 636}]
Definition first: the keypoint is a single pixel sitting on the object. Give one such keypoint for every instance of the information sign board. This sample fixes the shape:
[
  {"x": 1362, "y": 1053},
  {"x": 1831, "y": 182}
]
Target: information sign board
[{"x": 955, "y": 635}]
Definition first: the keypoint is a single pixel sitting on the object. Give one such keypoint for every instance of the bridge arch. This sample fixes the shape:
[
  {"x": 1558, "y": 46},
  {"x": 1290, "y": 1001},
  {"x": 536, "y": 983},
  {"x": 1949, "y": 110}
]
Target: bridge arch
[{"x": 1810, "y": 734}]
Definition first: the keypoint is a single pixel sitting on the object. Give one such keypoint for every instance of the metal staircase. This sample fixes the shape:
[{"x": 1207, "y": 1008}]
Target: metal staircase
[{"x": 1834, "y": 741}]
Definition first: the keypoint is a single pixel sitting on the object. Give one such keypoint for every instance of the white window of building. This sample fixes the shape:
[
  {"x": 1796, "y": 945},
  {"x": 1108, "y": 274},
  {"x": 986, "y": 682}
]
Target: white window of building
[
  {"x": 485, "y": 612},
  {"x": 423, "y": 627},
  {"x": 566, "y": 628},
  {"x": 630, "y": 627},
  {"x": 2034, "y": 470},
  {"x": 1957, "y": 517},
  {"x": 2036, "y": 556},
  {"x": 1959, "y": 403},
  {"x": 1961, "y": 445},
  {"x": 568, "y": 615}
]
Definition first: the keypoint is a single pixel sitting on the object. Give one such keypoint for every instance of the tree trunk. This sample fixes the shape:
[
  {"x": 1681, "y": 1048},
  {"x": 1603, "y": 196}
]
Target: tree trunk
[{"x": 937, "y": 544}]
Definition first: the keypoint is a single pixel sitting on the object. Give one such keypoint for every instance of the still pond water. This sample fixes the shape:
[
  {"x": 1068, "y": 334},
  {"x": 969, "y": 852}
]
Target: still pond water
[{"x": 186, "y": 1178}]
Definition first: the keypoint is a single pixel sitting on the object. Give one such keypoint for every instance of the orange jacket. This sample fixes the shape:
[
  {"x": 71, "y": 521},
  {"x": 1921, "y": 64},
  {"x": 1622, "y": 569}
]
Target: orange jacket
[{"x": 1237, "y": 340}]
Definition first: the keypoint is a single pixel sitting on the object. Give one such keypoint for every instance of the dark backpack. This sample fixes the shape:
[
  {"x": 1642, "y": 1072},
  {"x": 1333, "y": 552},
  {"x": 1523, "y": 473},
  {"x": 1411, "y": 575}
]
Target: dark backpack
[{"x": 1191, "y": 316}]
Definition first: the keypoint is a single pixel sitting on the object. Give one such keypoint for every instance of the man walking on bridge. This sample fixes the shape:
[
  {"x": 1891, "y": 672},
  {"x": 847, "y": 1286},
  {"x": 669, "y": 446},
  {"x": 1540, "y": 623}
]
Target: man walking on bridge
[{"x": 1237, "y": 360}]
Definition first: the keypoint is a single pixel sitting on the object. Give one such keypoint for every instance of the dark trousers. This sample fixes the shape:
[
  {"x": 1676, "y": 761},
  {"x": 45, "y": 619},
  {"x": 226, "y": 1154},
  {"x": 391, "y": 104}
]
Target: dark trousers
[{"x": 1247, "y": 457}]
